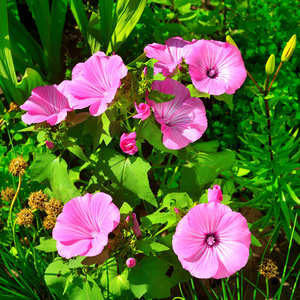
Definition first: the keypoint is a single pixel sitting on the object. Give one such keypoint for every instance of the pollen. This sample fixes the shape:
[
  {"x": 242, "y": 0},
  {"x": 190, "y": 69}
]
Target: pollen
[{"x": 17, "y": 166}]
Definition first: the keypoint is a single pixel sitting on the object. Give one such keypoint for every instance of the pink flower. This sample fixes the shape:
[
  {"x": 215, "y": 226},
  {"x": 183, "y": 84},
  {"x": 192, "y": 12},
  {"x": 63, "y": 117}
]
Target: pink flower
[
  {"x": 83, "y": 226},
  {"x": 47, "y": 103},
  {"x": 130, "y": 262},
  {"x": 216, "y": 67},
  {"x": 182, "y": 119},
  {"x": 212, "y": 240},
  {"x": 136, "y": 227},
  {"x": 215, "y": 194},
  {"x": 95, "y": 82},
  {"x": 169, "y": 56},
  {"x": 143, "y": 111},
  {"x": 127, "y": 143},
  {"x": 49, "y": 144}
]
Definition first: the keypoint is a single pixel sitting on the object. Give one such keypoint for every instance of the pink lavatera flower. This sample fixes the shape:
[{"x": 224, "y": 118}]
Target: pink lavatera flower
[
  {"x": 128, "y": 143},
  {"x": 169, "y": 55},
  {"x": 183, "y": 119},
  {"x": 47, "y": 103},
  {"x": 215, "y": 194},
  {"x": 216, "y": 67},
  {"x": 212, "y": 240},
  {"x": 83, "y": 226},
  {"x": 143, "y": 111},
  {"x": 95, "y": 82}
]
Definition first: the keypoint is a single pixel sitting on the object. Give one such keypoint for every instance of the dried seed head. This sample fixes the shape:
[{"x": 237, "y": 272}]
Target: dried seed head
[
  {"x": 25, "y": 217},
  {"x": 49, "y": 222},
  {"x": 8, "y": 194},
  {"x": 268, "y": 268},
  {"x": 17, "y": 166},
  {"x": 37, "y": 200},
  {"x": 13, "y": 106},
  {"x": 53, "y": 207}
]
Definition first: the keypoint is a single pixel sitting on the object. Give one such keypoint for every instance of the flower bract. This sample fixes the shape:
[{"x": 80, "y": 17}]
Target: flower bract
[
  {"x": 182, "y": 119},
  {"x": 83, "y": 226},
  {"x": 216, "y": 67},
  {"x": 212, "y": 240}
]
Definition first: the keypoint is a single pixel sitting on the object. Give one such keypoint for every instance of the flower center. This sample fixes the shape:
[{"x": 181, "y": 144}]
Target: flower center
[
  {"x": 211, "y": 73},
  {"x": 210, "y": 240}
]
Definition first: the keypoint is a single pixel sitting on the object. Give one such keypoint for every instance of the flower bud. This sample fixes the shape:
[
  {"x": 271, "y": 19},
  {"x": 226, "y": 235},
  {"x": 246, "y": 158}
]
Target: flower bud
[
  {"x": 136, "y": 227},
  {"x": 270, "y": 65},
  {"x": 230, "y": 40},
  {"x": 49, "y": 144},
  {"x": 215, "y": 194},
  {"x": 131, "y": 262},
  {"x": 289, "y": 49}
]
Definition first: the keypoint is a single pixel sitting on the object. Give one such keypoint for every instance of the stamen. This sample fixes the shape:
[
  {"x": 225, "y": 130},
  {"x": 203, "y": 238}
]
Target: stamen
[
  {"x": 211, "y": 73},
  {"x": 210, "y": 240}
]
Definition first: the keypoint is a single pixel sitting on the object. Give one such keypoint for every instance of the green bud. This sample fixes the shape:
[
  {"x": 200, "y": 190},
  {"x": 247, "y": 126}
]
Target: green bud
[
  {"x": 289, "y": 49},
  {"x": 230, "y": 40},
  {"x": 270, "y": 65}
]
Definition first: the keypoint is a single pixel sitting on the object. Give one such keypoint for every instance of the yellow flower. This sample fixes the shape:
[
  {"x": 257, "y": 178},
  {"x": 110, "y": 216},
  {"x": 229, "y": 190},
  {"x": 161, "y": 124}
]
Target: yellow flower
[
  {"x": 270, "y": 65},
  {"x": 289, "y": 49},
  {"x": 230, "y": 40}
]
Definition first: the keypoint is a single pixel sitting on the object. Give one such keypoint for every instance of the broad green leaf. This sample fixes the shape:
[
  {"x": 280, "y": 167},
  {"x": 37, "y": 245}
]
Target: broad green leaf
[
  {"x": 106, "y": 9},
  {"x": 94, "y": 33},
  {"x": 47, "y": 244},
  {"x": 130, "y": 173},
  {"x": 74, "y": 148},
  {"x": 196, "y": 93},
  {"x": 150, "y": 131},
  {"x": 127, "y": 14},
  {"x": 79, "y": 14},
  {"x": 255, "y": 241},
  {"x": 56, "y": 277},
  {"x": 203, "y": 169},
  {"x": 159, "y": 97},
  {"x": 211, "y": 146},
  {"x": 150, "y": 247},
  {"x": 84, "y": 288},
  {"x": 227, "y": 99},
  {"x": 30, "y": 80},
  {"x": 119, "y": 288},
  {"x": 53, "y": 171},
  {"x": 149, "y": 276},
  {"x": 8, "y": 78}
]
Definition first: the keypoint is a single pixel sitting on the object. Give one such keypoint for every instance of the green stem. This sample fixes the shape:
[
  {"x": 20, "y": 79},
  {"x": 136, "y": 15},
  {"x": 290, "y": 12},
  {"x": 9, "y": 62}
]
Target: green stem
[
  {"x": 267, "y": 82},
  {"x": 277, "y": 71},
  {"x": 224, "y": 289},
  {"x": 267, "y": 288},
  {"x": 269, "y": 127},
  {"x": 254, "y": 81},
  {"x": 107, "y": 279},
  {"x": 194, "y": 290},
  {"x": 181, "y": 292}
]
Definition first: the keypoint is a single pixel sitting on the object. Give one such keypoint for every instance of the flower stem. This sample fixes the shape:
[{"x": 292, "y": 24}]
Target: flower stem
[
  {"x": 276, "y": 73},
  {"x": 194, "y": 290},
  {"x": 254, "y": 81},
  {"x": 14, "y": 199},
  {"x": 267, "y": 288},
  {"x": 269, "y": 127}
]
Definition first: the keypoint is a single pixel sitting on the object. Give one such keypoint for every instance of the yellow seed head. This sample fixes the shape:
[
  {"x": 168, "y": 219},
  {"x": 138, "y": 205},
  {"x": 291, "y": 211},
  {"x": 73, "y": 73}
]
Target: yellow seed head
[
  {"x": 270, "y": 65},
  {"x": 25, "y": 217},
  {"x": 289, "y": 49},
  {"x": 17, "y": 166},
  {"x": 49, "y": 222},
  {"x": 53, "y": 207},
  {"x": 268, "y": 268},
  {"x": 230, "y": 40},
  {"x": 37, "y": 200},
  {"x": 8, "y": 194}
]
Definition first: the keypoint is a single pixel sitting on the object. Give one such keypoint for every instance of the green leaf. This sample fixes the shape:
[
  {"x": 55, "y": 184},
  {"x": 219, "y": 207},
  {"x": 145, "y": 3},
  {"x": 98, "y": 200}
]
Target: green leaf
[
  {"x": 53, "y": 171},
  {"x": 56, "y": 276},
  {"x": 79, "y": 14},
  {"x": 84, "y": 288},
  {"x": 127, "y": 14},
  {"x": 94, "y": 33},
  {"x": 196, "y": 93},
  {"x": 150, "y": 247},
  {"x": 159, "y": 97},
  {"x": 130, "y": 173},
  {"x": 150, "y": 131},
  {"x": 30, "y": 80},
  {"x": 47, "y": 244},
  {"x": 227, "y": 99},
  {"x": 203, "y": 169},
  {"x": 119, "y": 288},
  {"x": 255, "y": 241},
  {"x": 211, "y": 146},
  {"x": 149, "y": 276}
]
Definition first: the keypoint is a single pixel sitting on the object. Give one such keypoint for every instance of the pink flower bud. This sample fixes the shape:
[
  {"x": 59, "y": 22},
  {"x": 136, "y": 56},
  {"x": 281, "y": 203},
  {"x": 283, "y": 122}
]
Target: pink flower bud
[
  {"x": 127, "y": 219},
  {"x": 176, "y": 210},
  {"x": 143, "y": 111},
  {"x": 215, "y": 194},
  {"x": 128, "y": 143},
  {"x": 49, "y": 144},
  {"x": 130, "y": 262},
  {"x": 136, "y": 227}
]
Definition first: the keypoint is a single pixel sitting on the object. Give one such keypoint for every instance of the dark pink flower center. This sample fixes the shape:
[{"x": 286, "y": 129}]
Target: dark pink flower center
[
  {"x": 211, "y": 240},
  {"x": 212, "y": 73}
]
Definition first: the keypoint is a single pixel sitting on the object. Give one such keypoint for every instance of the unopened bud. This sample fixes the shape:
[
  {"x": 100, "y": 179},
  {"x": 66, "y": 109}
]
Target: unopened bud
[
  {"x": 270, "y": 65},
  {"x": 289, "y": 49},
  {"x": 230, "y": 40},
  {"x": 131, "y": 262}
]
